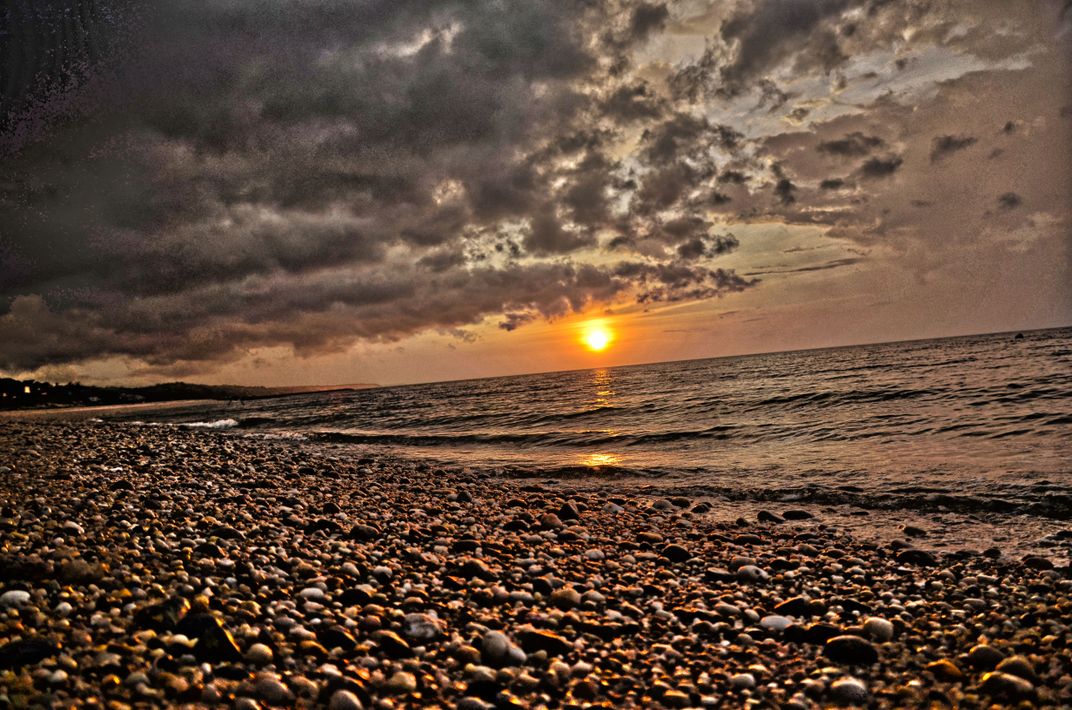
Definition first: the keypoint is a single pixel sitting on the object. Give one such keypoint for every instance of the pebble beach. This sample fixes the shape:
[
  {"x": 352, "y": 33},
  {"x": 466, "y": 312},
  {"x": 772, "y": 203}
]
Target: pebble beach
[{"x": 149, "y": 566}]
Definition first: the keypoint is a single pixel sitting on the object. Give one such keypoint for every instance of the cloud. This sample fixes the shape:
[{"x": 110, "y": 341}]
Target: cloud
[
  {"x": 199, "y": 180},
  {"x": 880, "y": 167},
  {"x": 853, "y": 144},
  {"x": 1009, "y": 201},
  {"x": 707, "y": 246},
  {"x": 945, "y": 145}
]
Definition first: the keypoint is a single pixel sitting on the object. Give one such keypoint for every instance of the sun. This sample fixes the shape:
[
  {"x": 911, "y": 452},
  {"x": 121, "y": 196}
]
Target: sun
[{"x": 596, "y": 336}]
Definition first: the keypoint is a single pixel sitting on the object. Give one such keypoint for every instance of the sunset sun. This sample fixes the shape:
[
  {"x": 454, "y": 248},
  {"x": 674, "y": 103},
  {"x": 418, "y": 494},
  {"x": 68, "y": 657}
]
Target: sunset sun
[{"x": 596, "y": 336}]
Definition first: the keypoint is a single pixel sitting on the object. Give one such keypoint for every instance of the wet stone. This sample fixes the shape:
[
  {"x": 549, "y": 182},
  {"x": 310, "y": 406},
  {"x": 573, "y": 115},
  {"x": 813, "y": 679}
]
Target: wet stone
[
  {"x": 1005, "y": 686},
  {"x": 852, "y": 650}
]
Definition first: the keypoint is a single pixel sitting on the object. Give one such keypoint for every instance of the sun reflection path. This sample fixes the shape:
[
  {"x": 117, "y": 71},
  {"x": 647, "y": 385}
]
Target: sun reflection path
[
  {"x": 602, "y": 384},
  {"x": 597, "y": 460}
]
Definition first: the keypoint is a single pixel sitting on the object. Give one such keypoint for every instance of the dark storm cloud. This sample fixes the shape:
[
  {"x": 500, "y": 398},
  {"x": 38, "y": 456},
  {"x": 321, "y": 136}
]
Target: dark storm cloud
[
  {"x": 634, "y": 102},
  {"x": 1009, "y": 201},
  {"x": 648, "y": 17},
  {"x": 853, "y": 144},
  {"x": 218, "y": 177},
  {"x": 707, "y": 246},
  {"x": 784, "y": 190},
  {"x": 942, "y": 146},
  {"x": 880, "y": 167},
  {"x": 832, "y": 184},
  {"x": 762, "y": 35}
]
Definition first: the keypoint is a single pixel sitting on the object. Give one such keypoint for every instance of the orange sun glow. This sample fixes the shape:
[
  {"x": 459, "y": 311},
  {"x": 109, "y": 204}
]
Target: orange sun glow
[{"x": 596, "y": 336}]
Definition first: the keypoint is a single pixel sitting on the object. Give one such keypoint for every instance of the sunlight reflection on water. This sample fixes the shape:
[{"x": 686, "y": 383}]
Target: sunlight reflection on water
[{"x": 602, "y": 384}]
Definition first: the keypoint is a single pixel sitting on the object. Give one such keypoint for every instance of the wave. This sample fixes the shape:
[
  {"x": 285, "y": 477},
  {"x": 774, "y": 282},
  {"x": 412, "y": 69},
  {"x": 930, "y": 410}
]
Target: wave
[
  {"x": 217, "y": 424},
  {"x": 521, "y": 438}
]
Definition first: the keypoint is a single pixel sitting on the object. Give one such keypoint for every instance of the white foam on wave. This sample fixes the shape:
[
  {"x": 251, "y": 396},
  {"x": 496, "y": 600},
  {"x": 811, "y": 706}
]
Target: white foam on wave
[{"x": 218, "y": 424}]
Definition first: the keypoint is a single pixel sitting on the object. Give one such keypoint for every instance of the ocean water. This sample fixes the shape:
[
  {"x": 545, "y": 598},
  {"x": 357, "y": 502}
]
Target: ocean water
[{"x": 978, "y": 427}]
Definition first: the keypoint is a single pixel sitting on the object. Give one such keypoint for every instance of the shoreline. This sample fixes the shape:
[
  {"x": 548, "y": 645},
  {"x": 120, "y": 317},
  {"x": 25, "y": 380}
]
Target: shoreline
[
  {"x": 255, "y": 572},
  {"x": 90, "y": 411}
]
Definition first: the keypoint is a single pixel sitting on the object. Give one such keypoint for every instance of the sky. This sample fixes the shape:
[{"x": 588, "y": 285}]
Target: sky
[{"x": 272, "y": 192}]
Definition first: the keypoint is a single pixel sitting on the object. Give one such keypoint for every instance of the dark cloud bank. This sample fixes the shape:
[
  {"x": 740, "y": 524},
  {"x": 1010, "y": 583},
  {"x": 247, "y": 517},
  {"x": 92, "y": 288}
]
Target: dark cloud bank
[{"x": 185, "y": 181}]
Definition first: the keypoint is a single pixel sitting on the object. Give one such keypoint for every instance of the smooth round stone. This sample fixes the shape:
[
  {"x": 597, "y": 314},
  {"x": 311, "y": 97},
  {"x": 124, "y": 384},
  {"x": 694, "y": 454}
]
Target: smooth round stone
[
  {"x": 15, "y": 597},
  {"x": 63, "y": 610},
  {"x": 879, "y": 629},
  {"x": 210, "y": 694},
  {"x": 676, "y": 553},
  {"x": 595, "y": 555},
  {"x": 315, "y": 594},
  {"x": 401, "y": 682},
  {"x": 245, "y": 703},
  {"x": 259, "y": 654},
  {"x": 272, "y": 691},
  {"x": 304, "y": 687},
  {"x": 422, "y": 626},
  {"x": 1007, "y": 686},
  {"x": 751, "y": 573},
  {"x": 57, "y": 677},
  {"x": 1018, "y": 666},
  {"x": 472, "y": 703},
  {"x": 566, "y": 598},
  {"x": 849, "y": 690},
  {"x": 850, "y": 649},
  {"x": 344, "y": 700},
  {"x": 499, "y": 650},
  {"x": 743, "y": 680},
  {"x": 985, "y": 657},
  {"x": 775, "y": 622},
  {"x": 945, "y": 669}
]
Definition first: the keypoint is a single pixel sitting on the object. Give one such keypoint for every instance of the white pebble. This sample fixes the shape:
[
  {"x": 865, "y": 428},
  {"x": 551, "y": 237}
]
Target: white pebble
[
  {"x": 16, "y": 597},
  {"x": 312, "y": 594},
  {"x": 743, "y": 680},
  {"x": 775, "y": 622},
  {"x": 879, "y": 628}
]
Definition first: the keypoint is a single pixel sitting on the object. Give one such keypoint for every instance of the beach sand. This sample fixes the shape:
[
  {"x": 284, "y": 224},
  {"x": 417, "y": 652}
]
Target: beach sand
[{"x": 155, "y": 565}]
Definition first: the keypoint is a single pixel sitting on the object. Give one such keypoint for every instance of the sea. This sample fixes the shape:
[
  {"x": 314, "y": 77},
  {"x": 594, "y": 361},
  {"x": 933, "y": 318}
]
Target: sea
[{"x": 968, "y": 439}]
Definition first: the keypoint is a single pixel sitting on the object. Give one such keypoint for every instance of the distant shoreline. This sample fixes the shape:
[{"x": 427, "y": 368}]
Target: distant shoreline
[{"x": 87, "y": 412}]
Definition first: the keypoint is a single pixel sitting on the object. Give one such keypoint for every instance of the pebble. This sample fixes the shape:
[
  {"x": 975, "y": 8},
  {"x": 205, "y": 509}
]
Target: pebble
[
  {"x": 743, "y": 680},
  {"x": 945, "y": 669},
  {"x": 272, "y": 691},
  {"x": 402, "y": 683},
  {"x": 751, "y": 573},
  {"x": 344, "y": 700},
  {"x": 15, "y": 598},
  {"x": 423, "y": 627},
  {"x": 259, "y": 654},
  {"x": 775, "y": 622},
  {"x": 498, "y": 650},
  {"x": 566, "y": 598},
  {"x": 878, "y": 629},
  {"x": 1018, "y": 666},
  {"x": 851, "y": 650},
  {"x": 985, "y": 657},
  {"x": 849, "y": 690},
  {"x": 1006, "y": 686}
]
